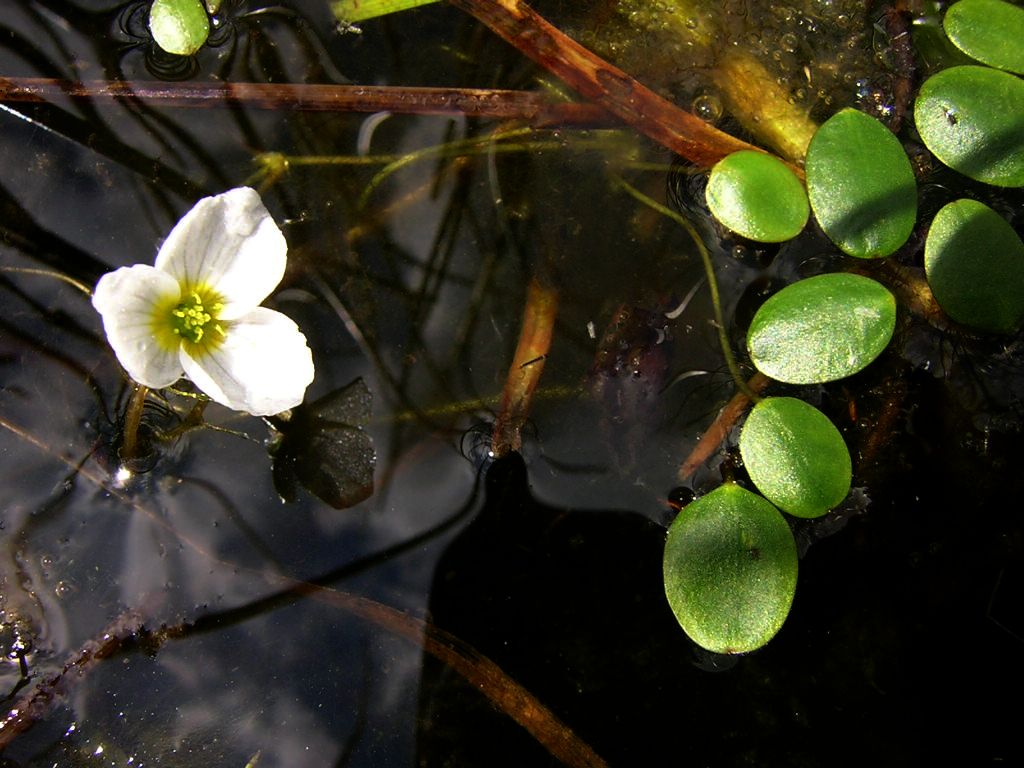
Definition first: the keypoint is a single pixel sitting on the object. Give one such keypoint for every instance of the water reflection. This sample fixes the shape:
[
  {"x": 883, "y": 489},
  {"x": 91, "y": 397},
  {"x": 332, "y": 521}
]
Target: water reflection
[{"x": 230, "y": 643}]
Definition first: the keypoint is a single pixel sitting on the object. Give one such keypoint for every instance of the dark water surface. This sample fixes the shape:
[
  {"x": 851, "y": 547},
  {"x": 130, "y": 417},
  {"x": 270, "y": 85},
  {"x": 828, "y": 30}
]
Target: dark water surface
[{"x": 906, "y": 638}]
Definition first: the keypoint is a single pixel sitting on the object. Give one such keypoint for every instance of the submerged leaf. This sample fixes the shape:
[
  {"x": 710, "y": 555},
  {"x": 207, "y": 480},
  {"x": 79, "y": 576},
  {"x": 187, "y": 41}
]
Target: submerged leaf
[
  {"x": 861, "y": 185},
  {"x": 730, "y": 570},
  {"x": 974, "y": 261},
  {"x": 795, "y": 456},
  {"x": 757, "y": 196},
  {"x": 990, "y": 31},
  {"x": 822, "y": 329},
  {"x": 324, "y": 447},
  {"x": 972, "y": 119}
]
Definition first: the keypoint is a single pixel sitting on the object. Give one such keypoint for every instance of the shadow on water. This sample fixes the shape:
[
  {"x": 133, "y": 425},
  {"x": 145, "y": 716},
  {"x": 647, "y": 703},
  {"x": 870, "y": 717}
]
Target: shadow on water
[{"x": 182, "y": 614}]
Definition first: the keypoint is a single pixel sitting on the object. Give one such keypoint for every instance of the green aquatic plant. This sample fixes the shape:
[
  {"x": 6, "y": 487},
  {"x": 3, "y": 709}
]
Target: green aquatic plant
[
  {"x": 795, "y": 456},
  {"x": 730, "y": 570},
  {"x": 180, "y": 27},
  {"x": 822, "y": 329},
  {"x": 860, "y": 185},
  {"x": 989, "y": 31},
  {"x": 972, "y": 119},
  {"x": 757, "y": 196},
  {"x": 974, "y": 261}
]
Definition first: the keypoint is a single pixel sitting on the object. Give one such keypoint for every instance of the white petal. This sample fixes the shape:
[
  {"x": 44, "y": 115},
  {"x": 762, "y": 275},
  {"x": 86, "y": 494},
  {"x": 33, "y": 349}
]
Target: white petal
[
  {"x": 230, "y": 244},
  {"x": 262, "y": 367},
  {"x": 128, "y": 299}
]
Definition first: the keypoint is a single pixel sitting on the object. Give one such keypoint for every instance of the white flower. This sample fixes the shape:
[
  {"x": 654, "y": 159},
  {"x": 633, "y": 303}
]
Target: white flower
[{"x": 197, "y": 310}]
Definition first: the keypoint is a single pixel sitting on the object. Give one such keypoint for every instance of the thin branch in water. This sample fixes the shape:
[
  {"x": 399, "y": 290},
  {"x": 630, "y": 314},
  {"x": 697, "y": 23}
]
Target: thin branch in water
[
  {"x": 536, "y": 109},
  {"x": 601, "y": 82},
  {"x": 716, "y": 434},
  {"x": 527, "y": 365}
]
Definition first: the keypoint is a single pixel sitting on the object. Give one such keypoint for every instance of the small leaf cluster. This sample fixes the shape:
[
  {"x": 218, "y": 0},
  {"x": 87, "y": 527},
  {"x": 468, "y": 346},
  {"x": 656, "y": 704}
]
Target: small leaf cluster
[{"x": 730, "y": 561}]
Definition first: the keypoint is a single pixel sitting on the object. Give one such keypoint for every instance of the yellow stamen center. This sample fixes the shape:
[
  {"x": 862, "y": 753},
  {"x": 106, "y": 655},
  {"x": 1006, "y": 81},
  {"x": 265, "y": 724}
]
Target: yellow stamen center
[{"x": 193, "y": 320}]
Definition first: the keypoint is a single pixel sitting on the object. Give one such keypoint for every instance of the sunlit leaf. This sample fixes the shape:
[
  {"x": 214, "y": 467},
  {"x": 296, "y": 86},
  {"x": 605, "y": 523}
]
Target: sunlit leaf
[
  {"x": 179, "y": 26},
  {"x": 757, "y": 196},
  {"x": 822, "y": 329},
  {"x": 991, "y": 31},
  {"x": 861, "y": 185},
  {"x": 352, "y": 11},
  {"x": 795, "y": 456},
  {"x": 730, "y": 570},
  {"x": 974, "y": 261},
  {"x": 972, "y": 119},
  {"x": 323, "y": 446}
]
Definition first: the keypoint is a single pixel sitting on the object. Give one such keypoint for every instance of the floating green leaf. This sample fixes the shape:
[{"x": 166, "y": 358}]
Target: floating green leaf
[
  {"x": 757, "y": 196},
  {"x": 352, "y": 11},
  {"x": 990, "y": 31},
  {"x": 730, "y": 570},
  {"x": 795, "y": 456},
  {"x": 861, "y": 185},
  {"x": 975, "y": 266},
  {"x": 179, "y": 26},
  {"x": 972, "y": 119},
  {"x": 822, "y": 329}
]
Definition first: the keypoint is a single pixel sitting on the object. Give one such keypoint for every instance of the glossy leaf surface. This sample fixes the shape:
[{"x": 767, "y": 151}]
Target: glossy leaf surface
[
  {"x": 179, "y": 26},
  {"x": 757, "y": 196},
  {"x": 822, "y": 329},
  {"x": 861, "y": 185},
  {"x": 730, "y": 570},
  {"x": 975, "y": 266},
  {"x": 795, "y": 456},
  {"x": 991, "y": 31},
  {"x": 972, "y": 119}
]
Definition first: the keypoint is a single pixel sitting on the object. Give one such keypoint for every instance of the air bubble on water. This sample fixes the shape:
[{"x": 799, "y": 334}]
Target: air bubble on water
[
  {"x": 707, "y": 106},
  {"x": 63, "y": 588}
]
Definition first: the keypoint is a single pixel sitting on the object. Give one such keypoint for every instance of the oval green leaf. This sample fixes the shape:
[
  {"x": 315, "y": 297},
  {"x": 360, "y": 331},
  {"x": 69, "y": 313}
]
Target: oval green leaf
[
  {"x": 822, "y": 329},
  {"x": 989, "y": 31},
  {"x": 861, "y": 185},
  {"x": 730, "y": 570},
  {"x": 974, "y": 262},
  {"x": 972, "y": 119},
  {"x": 757, "y": 196},
  {"x": 795, "y": 456},
  {"x": 179, "y": 26}
]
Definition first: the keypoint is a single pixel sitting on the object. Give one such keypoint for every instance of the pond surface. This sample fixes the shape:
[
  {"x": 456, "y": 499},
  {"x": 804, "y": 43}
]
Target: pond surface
[{"x": 174, "y": 611}]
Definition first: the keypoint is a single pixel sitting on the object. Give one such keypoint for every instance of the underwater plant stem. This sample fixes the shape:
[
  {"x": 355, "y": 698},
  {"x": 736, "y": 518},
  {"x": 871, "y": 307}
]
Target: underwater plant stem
[
  {"x": 38, "y": 702},
  {"x": 527, "y": 365},
  {"x": 709, "y": 271},
  {"x": 762, "y": 106},
  {"x": 598, "y": 80},
  {"x": 132, "y": 419},
  {"x": 49, "y": 273},
  {"x": 536, "y": 109},
  {"x": 715, "y": 435}
]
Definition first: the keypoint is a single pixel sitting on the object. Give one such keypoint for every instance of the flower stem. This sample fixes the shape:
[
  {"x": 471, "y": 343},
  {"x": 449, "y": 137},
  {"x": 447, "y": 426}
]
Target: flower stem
[{"x": 132, "y": 419}]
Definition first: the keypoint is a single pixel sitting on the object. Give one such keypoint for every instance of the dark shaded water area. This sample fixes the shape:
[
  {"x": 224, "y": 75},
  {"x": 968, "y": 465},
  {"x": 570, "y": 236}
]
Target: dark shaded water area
[{"x": 228, "y": 621}]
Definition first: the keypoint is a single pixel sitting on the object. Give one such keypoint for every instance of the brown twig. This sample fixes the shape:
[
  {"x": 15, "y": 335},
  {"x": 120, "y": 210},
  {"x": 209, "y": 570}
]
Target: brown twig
[
  {"x": 603, "y": 83},
  {"x": 533, "y": 108},
  {"x": 527, "y": 365},
  {"x": 37, "y": 703},
  {"x": 715, "y": 435}
]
